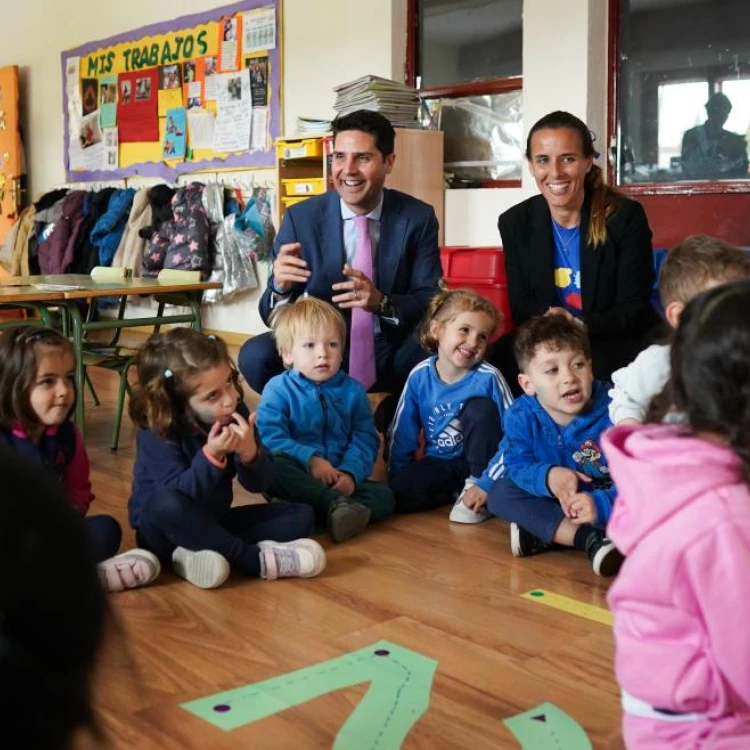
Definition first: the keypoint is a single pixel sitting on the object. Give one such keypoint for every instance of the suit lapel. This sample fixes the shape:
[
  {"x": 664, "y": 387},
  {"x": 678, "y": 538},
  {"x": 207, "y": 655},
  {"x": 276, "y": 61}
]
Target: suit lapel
[
  {"x": 542, "y": 248},
  {"x": 392, "y": 242},
  {"x": 330, "y": 238}
]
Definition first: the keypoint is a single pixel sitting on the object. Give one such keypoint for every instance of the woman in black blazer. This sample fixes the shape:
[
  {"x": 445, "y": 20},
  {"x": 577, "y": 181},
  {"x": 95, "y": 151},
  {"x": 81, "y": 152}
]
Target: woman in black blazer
[{"x": 580, "y": 249}]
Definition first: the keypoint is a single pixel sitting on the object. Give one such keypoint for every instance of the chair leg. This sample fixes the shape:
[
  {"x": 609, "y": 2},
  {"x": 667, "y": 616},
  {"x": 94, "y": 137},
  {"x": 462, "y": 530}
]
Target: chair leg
[
  {"x": 91, "y": 388},
  {"x": 123, "y": 388}
]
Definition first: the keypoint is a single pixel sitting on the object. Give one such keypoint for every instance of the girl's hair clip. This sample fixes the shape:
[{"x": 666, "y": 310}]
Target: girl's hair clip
[
  {"x": 168, "y": 374},
  {"x": 211, "y": 337}
]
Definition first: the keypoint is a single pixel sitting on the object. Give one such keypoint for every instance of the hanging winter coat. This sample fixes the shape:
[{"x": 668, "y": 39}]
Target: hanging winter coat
[
  {"x": 108, "y": 231},
  {"x": 15, "y": 257},
  {"x": 56, "y": 255},
  {"x": 85, "y": 254},
  {"x": 45, "y": 222},
  {"x": 189, "y": 244},
  {"x": 130, "y": 252}
]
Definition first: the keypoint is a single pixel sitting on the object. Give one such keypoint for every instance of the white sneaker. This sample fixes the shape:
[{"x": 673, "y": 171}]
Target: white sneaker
[
  {"x": 203, "y": 568},
  {"x": 137, "y": 567},
  {"x": 302, "y": 558},
  {"x": 461, "y": 514}
]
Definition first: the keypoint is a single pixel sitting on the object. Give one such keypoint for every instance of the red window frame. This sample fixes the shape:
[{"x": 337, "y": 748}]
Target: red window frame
[
  {"x": 475, "y": 88},
  {"x": 686, "y": 187}
]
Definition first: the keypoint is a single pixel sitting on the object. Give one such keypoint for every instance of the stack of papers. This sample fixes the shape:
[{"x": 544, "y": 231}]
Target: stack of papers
[
  {"x": 312, "y": 126},
  {"x": 396, "y": 101}
]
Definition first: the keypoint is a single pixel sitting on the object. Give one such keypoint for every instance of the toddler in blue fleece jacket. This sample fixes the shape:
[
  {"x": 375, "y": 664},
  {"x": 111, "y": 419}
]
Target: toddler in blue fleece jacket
[{"x": 317, "y": 422}]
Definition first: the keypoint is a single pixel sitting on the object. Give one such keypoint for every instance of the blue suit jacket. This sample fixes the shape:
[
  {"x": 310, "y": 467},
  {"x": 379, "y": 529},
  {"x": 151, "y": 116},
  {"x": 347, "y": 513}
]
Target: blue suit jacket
[{"x": 407, "y": 262}]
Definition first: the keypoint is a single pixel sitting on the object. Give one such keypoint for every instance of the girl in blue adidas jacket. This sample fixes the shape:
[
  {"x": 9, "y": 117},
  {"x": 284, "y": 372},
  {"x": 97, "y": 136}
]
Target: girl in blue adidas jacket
[{"x": 457, "y": 401}]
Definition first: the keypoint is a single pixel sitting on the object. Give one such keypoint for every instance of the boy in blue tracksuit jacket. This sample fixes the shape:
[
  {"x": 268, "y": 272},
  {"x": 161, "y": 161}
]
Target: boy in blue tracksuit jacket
[
  {"x": 317, "y": 422},
  {"x": 552, "y": 480}
]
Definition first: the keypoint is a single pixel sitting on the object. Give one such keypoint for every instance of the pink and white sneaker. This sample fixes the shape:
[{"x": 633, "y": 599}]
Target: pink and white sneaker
[
  {"x": 132, "y": 569},
  {"x": 302, "y": 558}
]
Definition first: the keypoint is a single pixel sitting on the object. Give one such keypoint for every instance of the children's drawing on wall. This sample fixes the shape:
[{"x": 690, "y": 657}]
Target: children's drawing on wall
[
  {"x": 194, "y": 102},
  {"x": 108, "y": 93},
  {"x": 126, "y": 92},
  {"x": 169, "y": 77},
  {"x": 234, "y": 87},
  {"x": 259, "y": 30},
  {"x": 230, "y": 29},
  {"x": 111, "y": 149},
  {"x": 188, "y": 71},
  {"x": 209, "y": 77},
  {"x": 174, "y": 134},
  {"x": 90, "y": 133},
  {"x": 142, "y": 89},
  {"x": 89, "y": 95},
  {"x": 234, "y": 115}
]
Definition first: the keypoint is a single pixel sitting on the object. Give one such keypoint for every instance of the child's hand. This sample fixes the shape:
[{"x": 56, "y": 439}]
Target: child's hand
[
  {"x": 344, "y": 485},
  {"x": 324, "y": 471},
  {"x": 221, "y": 441},
  {"x": 581, "y": 509},
  {"x": 474, "y": 498},
  {"x": 244, "y": 429},
  {"x": 563, "y": 483}
]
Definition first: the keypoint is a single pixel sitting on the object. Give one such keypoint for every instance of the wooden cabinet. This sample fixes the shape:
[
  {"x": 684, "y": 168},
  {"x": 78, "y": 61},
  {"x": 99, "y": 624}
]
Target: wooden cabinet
[{"x": 303, "y": 166}]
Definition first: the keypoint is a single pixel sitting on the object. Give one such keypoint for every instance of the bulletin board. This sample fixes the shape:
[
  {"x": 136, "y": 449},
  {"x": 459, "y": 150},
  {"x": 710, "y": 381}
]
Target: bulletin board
[{"x": 193, "y": 93}]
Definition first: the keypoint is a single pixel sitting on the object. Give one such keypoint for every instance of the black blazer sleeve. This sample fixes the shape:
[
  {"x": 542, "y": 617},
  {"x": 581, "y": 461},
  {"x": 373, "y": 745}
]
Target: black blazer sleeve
[{"x": 621, "y": 304}]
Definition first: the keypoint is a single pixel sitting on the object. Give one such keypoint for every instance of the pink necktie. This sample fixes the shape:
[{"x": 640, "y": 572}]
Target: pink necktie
[{"x": 362, "y": 336}]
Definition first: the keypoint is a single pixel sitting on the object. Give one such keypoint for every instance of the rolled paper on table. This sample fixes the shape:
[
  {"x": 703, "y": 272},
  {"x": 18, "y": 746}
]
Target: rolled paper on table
[{"x": 105, "y": 273}]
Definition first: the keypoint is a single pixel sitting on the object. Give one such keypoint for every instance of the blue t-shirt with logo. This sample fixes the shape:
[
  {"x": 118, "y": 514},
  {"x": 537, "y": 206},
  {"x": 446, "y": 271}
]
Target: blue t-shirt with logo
[{"x": 568, "y": 267}]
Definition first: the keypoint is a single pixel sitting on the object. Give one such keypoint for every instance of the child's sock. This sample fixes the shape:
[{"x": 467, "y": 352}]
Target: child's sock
[
  {"x": 132, "y": 569},
  {"x": 302, "y": 558}
]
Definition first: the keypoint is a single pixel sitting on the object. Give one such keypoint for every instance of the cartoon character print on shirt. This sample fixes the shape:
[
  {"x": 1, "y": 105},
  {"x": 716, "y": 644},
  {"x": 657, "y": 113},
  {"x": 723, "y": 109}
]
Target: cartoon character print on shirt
[
  {"x": 567, "y": 280},
  {"x": 445, "y": 434},
  {"x": 589, "y": 458}
]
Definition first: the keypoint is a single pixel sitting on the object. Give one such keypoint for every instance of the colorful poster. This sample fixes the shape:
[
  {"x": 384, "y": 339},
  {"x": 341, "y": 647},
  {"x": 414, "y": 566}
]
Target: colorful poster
[
  {"x": 175, "y": 134},
  {"x": 170, "y": 88},
  {"x": 137, "y": 111},
  {"x": 108, "y": 101},
  {"x": 133, "y": 79}
]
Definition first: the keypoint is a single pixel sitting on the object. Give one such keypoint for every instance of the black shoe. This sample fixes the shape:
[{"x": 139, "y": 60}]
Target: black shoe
[
  {"x": 383, "y": 416},
  {"x": 524, "y": 544},
  {"x": 605, "y": 558},
  {"x": 347, "y": 518}
]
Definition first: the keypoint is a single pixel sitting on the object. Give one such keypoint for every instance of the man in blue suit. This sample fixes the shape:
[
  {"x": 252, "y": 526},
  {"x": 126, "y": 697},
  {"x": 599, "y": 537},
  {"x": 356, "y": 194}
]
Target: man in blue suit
[{"x": 315, "y": 248}]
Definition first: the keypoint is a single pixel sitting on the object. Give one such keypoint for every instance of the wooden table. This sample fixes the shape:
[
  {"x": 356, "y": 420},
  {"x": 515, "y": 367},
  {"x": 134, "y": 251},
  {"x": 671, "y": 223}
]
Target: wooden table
[{"x": 40, "y": 292}]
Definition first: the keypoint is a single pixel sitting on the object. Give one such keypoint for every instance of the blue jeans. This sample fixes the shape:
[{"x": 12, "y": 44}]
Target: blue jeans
[
  {"x": 434, "y": 481},
  {"x": 170, "y": 519},
  {"x": 105, "y": 534}
]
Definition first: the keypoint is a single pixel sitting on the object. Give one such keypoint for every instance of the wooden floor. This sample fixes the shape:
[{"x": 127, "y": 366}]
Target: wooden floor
[{"x": 447, "y": 591}]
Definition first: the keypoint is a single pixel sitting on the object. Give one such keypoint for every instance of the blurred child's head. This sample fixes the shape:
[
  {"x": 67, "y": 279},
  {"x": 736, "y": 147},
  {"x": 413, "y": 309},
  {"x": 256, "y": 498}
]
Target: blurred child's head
[
  {"x": 184, "y": 374},
  {"x": 696, "y": 264},
  {"x": 554, "y": 359},
  {"x": 458, "y": 325},
  {"x": 53, "y": 612},
  {"x": 310, "y": 336},
  {"x": 37, "y": 378},
  {"x": 710, "y": 360}
]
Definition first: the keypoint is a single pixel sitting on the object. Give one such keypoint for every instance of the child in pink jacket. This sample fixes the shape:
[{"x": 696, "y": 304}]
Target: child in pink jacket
[{"x": 682, "y": 518}]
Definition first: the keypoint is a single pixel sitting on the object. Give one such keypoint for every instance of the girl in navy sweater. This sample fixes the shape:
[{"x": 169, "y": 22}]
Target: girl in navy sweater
[
  {"x": 196, "y": 435},
  {"x": 457, "y": 401},
  {"x": 37, "y": 397}
]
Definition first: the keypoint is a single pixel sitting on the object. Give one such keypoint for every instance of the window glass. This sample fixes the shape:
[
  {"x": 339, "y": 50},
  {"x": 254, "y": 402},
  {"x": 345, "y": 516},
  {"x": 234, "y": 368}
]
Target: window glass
[
  {"x": 684, "y": 90},
  {"x": 463, "y": 41}
]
